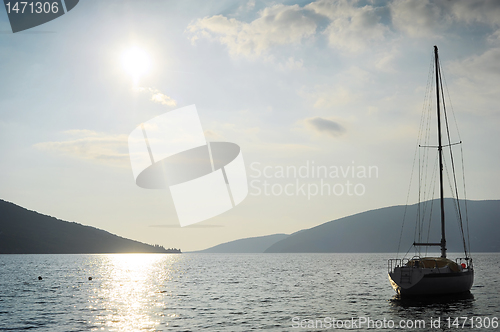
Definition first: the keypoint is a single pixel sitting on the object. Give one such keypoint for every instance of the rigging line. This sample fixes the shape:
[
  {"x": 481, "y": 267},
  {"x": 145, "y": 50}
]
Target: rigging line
[
  {"x": 456, "y": 206},
  {"x": 457, "y": 211},
  {"x": 463, "y": 168},
  {"x": 407, "y": 252},
  {"x": 423, "y": 156},
  {"x": 424, "y": 168},
  {"x": 452, "y": 165},
  {"x": 426, "y": 155},
  {"x": 429, "y": 225},
  {"x": 451, "y": 106},
  {"x": 406, "y": 205},
  {"x": 465, "y": 200},
  {"x": 427, "y": 180},
  {"x": 417, "y": 223},
  {"x": 427, "y": 92},
  {"x": 434, "y": 175},
  {"x": 407, "y": 199}
]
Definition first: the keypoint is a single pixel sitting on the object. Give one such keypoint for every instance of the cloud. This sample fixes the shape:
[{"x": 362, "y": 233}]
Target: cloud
[
  {"x": 276, "y": 25},
  {"x": 291, "y": 64},
  {"x": 163, "y": 99},
  {"x": 384, "y": 60},
  {"x": 425, "y": 18},
  {"x": 476, "y": 81},
  {"x": 213, "y": 135},
  {"x": 420, "y": 18},
  {"x": 159, "y": 97},
  {"x": 477, "y": 67},
  {"x": 494, "y": 38},
  {"x": 324, "y": 126},
  {"x": 475, "y": 11},
  {"x": 245, "y": 7},
  {"x": 90, "y": 145},
  {"x": 189, "y": 226},
  {"x": 280, "y": 150},
  {"x": 351, "y": 28},
  {"x": 331, "y": 95}
]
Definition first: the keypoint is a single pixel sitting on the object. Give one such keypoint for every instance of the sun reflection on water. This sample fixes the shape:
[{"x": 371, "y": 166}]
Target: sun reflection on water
[{"x": 129, "y": 295}]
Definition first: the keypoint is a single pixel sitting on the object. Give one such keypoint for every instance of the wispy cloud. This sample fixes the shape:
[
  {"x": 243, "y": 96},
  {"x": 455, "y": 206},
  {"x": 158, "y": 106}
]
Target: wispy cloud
[
  {"x": 321, "y": 125},
  {"x": 291, "y": 64},
  {"x": 189, "y": 226},
  {"x": 424, "y": 18},
  {"x": 158, "y": 97},
  {"x": 213, "y": 135},
  {"x": 475, "y": 76},
  {"x": 345, "y": 91},
  {"x": 351, "y": 28},
  {"x": 417, "y": 18},
  {"x": 325, "y": 96},
  {"x": 276, "y": 25},
  {"x": 90, "y": 145},
  {"x": 480, "y": 66}
]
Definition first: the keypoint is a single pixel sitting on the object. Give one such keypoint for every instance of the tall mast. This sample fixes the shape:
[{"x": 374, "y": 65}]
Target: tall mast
[{"x": 440, "y": 151}]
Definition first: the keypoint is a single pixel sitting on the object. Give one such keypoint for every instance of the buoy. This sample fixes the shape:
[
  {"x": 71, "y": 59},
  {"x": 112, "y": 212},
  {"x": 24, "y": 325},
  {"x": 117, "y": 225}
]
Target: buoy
[
  {"x": 463, "y": 265},
  {"x": 39, "y": 277},
  {"x": 90, "y": 278}
]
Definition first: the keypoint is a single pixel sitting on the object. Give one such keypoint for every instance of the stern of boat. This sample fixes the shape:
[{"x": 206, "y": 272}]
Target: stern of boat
[{"x": 430, "y": 275}]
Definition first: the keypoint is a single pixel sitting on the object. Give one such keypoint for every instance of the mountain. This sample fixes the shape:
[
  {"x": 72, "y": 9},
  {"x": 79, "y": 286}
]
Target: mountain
[
  {"x": 379, "y": 230},
  {"x": 249, "y": 245},
  {"x": 28, "y": 232}
]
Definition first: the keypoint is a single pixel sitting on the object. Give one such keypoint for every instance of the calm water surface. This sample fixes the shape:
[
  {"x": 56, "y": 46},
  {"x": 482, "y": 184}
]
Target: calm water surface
[{"x": 222, "y": 292}]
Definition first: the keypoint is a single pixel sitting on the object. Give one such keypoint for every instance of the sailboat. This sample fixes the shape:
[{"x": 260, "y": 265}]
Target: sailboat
[{"x": 422, "y": 275}]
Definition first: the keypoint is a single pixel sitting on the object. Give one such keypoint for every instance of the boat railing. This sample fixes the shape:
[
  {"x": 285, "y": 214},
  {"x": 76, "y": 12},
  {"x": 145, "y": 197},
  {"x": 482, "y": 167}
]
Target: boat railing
[
  {"x": 414, "y": 262},
  {"x": 396, "y": 262},
  {"x": 417, "y": 262},
  {"x": 392, "y": 263}
]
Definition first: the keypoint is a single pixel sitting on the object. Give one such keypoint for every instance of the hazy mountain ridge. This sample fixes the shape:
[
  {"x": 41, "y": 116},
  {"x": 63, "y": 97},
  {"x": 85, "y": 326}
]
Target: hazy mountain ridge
[
  {"x": 379, "y": 231},
  {"x": 23, "y": 231},
  {"x": 256, "y": 244}
]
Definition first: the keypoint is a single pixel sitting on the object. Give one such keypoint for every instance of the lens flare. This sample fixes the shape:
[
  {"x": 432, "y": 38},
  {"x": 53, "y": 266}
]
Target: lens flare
[{"x": 136, "y": 63}]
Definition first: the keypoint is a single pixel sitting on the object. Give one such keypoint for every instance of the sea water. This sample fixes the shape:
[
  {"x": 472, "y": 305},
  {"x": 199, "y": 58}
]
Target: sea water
[{"x": 230, "y": 292}]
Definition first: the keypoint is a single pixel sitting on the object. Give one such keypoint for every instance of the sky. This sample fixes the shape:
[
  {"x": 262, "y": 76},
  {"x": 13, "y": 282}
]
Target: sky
[{"x": 296, "y": 84}]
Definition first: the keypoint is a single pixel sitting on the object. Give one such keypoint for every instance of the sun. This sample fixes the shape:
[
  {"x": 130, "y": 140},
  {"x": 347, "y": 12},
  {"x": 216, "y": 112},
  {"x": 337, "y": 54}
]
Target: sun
[{"x": 136, "y": 63}]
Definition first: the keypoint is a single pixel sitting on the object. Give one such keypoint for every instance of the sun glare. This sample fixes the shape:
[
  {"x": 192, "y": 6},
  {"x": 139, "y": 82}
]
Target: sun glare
[{"x": 136, "y": 63}]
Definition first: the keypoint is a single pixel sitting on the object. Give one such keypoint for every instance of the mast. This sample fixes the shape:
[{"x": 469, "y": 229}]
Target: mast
[{"x": 440, "y": 151}]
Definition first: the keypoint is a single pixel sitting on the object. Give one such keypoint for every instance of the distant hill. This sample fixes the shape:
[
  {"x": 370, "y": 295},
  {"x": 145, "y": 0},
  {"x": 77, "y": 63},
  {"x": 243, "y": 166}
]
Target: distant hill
[
  {"x": 27, "y": 232},
  {"x": 379, "y": 231},
  {"x": 249, "y": 245}
]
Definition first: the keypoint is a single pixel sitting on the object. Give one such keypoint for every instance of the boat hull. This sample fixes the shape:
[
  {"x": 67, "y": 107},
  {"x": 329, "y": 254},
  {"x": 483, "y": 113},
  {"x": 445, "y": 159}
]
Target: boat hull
[{"x": 435, "y": 284}]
